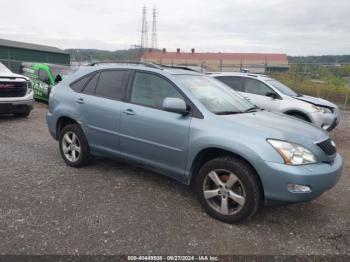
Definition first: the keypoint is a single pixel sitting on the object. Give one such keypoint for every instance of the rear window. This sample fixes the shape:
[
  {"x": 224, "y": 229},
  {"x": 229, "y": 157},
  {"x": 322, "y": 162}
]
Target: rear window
[
  {"x": 91, "y": 86},
  {"x": 232, "y": 81},
  {"x": 79, "y": 85}
]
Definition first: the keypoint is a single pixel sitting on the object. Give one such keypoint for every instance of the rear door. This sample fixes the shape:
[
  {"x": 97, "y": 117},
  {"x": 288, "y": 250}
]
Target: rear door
[
  {"x": 149, "y": 134},
  {"x": 100, "y": 103}
]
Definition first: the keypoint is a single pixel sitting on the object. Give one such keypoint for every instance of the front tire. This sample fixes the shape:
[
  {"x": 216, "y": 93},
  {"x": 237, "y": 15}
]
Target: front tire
[
  {"x": 73, "y": 146},
  {"x": 300, "y": 116},
  {"x": 228, "y": 189}
]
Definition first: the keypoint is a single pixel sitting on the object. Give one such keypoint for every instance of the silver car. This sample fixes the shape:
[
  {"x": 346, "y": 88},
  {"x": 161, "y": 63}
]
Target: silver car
[
  {"x": 270, "y": 94},
  {"x": 16, "y": 94}
]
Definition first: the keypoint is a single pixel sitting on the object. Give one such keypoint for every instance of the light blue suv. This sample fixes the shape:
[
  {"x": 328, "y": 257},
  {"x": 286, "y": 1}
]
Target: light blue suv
[{"x": 195, "y": 129}]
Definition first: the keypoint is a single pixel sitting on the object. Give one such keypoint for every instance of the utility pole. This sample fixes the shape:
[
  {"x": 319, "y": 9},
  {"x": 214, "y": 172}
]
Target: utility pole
[
  {"x": 154, "y": 29},
  {"x": 144, "y": 29}
]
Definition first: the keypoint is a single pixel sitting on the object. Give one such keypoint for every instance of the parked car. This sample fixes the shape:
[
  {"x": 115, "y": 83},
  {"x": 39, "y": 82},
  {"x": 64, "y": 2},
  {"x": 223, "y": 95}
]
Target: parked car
[
  {"x": 270, "y": 94},
  {"x": 16, "y": 95},
  {"x": 195, "y": 129},
  {"x": 45, "y": 77}
]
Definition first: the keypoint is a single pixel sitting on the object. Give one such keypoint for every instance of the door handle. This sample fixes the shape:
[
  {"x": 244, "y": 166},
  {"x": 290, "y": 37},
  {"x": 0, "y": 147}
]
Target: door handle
[
  {"x": 80, "y": 101},
  {"x": 129, "y": 112}
]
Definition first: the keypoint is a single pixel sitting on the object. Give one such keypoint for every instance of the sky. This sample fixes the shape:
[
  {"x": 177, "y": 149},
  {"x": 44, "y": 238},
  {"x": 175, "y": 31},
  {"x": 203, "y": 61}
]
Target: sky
[{"x": 295, "y": 27}]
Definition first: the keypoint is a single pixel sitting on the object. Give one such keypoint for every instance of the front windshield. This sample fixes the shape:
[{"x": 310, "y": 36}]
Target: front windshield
[
  {"x": 215, "y": 96},
  {"x": 4, "y": 69},
  {"x": 282, "y": 88}
]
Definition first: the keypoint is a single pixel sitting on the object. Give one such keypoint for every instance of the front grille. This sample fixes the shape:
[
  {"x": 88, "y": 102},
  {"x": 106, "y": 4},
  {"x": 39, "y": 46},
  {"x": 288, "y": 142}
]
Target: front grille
[
  {"x": 327, "y": 147},
  {"x": 13, "y": 89}
]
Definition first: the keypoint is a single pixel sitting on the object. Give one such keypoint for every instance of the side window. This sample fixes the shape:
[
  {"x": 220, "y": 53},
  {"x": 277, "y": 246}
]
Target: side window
[
  {"x": 91, "y": 85},
  {"x": 232, "y": 81},
  {"x": 151, "y": 90},
  {"x": 112, "y": 84},
  {"x": 256, "y": 87},
  {"x": 43, "y": 76},
  {"x": 79, "y": 85}
]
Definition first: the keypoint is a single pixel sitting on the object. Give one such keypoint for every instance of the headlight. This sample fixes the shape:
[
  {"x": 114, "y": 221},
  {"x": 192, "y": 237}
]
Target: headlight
[
  {"x": 322, "y": 109},
  {"x": 29, "y": 84},
  {"x": 293, "y": 154}
]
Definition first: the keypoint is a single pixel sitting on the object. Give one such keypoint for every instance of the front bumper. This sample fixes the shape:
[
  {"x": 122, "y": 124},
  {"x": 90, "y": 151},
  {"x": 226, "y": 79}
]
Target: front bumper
[
  {"x": 16, "y": 106},
  {"x": 319, "y": 177},
  {"x": 326, "y": 121}
]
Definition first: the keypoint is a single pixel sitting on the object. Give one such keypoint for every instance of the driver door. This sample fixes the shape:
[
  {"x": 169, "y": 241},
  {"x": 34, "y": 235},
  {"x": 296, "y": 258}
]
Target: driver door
[{"x": 148, "y": 134}]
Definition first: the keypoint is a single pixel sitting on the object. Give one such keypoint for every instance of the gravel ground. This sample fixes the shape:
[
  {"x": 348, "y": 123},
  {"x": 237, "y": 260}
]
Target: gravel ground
[{"x": 111, "y": 207}]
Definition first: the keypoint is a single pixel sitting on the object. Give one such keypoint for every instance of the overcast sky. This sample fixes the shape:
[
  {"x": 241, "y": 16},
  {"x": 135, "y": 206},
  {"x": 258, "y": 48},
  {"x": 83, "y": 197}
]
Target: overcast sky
[{"x": 295, "y": 27}]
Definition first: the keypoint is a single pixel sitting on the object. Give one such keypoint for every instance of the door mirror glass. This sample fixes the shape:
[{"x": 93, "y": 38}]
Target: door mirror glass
[
  {"x": 175, "y": 105},
  {"x": 273, "y": 95}
]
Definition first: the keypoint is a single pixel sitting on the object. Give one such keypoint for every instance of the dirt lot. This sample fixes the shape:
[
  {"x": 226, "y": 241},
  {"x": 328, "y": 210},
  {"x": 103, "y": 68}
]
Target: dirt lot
[{"x": 113, "y": 208}]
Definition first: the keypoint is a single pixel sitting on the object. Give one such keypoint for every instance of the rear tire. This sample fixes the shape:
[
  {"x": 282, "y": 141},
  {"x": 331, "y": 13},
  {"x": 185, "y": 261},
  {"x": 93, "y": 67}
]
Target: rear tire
[
  {"x": 235, "y": 196},
  {"x": 73, "y": 146}
]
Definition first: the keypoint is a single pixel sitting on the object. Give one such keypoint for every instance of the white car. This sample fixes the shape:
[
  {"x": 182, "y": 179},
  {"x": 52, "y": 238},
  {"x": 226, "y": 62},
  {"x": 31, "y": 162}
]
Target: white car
[
  {"x": 16, "y": 94},
  {"x": 270, "y": 94}
]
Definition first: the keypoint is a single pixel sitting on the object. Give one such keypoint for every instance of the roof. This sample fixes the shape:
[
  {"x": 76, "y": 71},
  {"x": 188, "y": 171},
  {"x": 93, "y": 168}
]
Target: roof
[
  {"x": 282, "y": 58},
  {"x": 252, "y": 75},
  {"x": 84, "y": 70},
  {"x": 29, "y": 46}
]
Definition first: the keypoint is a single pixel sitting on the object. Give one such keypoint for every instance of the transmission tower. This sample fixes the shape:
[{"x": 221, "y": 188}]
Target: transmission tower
[
  {"x": 154, "y": 29},
  {"x": 144, "y": 30}
]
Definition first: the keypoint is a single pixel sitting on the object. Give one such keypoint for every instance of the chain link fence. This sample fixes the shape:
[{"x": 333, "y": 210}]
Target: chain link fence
[{"x": 328, "y": 81}]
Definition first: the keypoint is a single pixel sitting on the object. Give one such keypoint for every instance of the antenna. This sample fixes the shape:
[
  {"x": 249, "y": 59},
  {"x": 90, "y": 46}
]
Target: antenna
[
  {"x": 144, "y": 30},
  {"x": 154, "y": 29}
]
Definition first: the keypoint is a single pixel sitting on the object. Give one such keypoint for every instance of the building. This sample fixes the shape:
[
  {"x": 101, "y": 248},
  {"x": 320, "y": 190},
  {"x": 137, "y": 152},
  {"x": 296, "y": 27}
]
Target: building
[
  {"x": 256, "y": 63},
  {"x": 13, "y": 53}
]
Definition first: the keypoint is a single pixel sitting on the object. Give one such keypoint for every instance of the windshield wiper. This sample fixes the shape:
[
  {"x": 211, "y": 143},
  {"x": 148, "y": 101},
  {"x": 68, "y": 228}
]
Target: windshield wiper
[
  {"x": 251, "y": 109},
  {"x": 227, "y": 112}
]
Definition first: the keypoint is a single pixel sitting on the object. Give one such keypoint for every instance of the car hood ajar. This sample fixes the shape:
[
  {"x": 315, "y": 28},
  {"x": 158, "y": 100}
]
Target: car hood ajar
[
  {"x": 279, "y": 126},
  {"x": 315, "y": 101}
]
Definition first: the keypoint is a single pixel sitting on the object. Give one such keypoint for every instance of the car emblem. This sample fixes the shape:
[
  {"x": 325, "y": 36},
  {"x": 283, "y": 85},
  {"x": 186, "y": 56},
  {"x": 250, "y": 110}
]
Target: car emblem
[
  {"x": 333, "y": 143},
  {"x": 7, "y": 85}
]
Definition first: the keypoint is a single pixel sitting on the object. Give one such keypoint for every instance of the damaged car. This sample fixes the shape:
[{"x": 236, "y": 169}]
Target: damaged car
[{"x": 272, "y": 95}]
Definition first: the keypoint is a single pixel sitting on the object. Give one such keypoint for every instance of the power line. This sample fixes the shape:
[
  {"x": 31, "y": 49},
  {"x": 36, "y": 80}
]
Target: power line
[
  {"x": 144, "y": 30},
  {"x": 154, "y": 29}
]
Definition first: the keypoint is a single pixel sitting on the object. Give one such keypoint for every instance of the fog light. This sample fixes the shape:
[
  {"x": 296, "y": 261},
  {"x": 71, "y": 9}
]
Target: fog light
[{"x": 294, "y": 188}]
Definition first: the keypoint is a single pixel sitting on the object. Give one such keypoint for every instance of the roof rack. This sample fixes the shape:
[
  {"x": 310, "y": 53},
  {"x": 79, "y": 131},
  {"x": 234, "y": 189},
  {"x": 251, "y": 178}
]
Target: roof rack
[
  {"x": 178, "y": 67},
  {"x": 125, "y": 62}
]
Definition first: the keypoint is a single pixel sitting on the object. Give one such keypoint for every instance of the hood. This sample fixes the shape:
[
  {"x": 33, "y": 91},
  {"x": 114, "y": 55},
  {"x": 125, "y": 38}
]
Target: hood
[
  {"x": 278, "y": 126},
  {"x": 315, "y": 101}
]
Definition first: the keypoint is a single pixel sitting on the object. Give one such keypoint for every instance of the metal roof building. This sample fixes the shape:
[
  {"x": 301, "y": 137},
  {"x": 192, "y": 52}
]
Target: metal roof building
[
  {"x": 254, "y": 62},
  {"x": 12, "y": 53}
]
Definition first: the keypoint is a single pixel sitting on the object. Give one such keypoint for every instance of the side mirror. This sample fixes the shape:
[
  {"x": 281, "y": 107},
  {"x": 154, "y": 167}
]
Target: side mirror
[
  {"x": 273, "y": 95},
  {"x": 175, "y": 105},
  {"x": 58, "y": 79}
]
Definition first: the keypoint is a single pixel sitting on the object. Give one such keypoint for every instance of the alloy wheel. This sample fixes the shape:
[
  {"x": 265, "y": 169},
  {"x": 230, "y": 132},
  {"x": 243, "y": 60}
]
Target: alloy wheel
[
  {"x": 224, "y": 192},
  {"x": 71, "y": 146}
]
